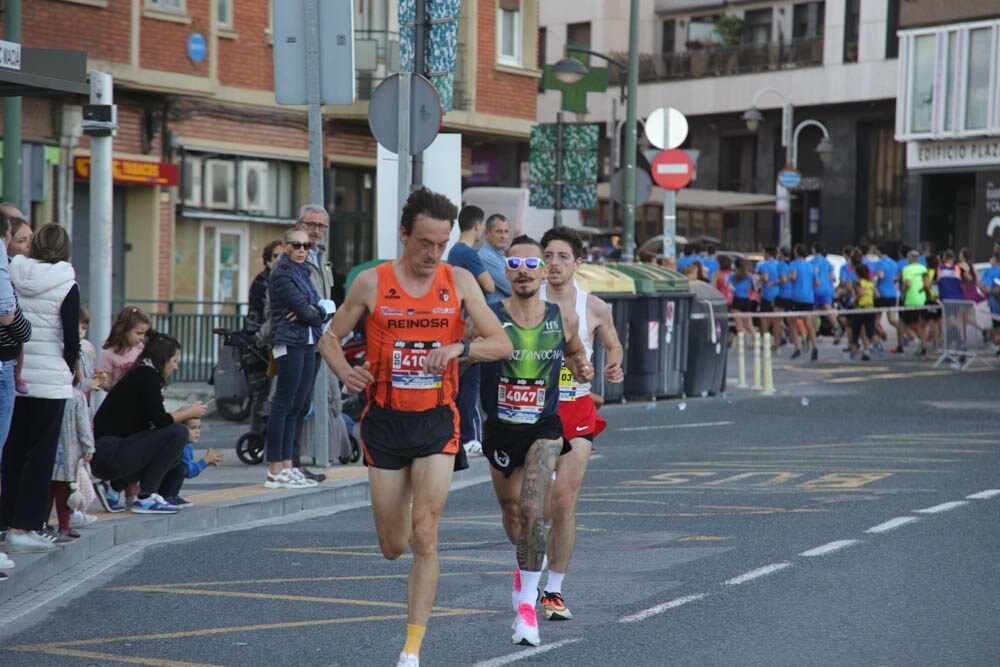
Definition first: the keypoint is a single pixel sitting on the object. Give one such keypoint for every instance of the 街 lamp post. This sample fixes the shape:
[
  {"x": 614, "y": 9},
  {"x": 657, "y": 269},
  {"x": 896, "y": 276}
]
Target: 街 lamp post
[
  {"x": 571, "y": 70},
  {"x": 790, "y": 140}
]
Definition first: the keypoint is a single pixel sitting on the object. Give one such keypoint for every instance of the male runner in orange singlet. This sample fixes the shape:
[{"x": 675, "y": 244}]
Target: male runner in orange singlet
[{"x": 410, "y": 429}]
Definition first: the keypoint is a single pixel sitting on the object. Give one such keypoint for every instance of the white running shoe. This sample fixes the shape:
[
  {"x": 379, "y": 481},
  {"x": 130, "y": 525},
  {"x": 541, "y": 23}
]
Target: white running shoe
[
  {"x": 299, "y": 477},
  {"x": 80, "y": 520},
  {"x": 5, "y": 562},
  {"x": 526, "y": 626},
  {"x": 408, "y": 660},
  {"x": 283, "y": 480},
  {"x": 473, "y": 447}
]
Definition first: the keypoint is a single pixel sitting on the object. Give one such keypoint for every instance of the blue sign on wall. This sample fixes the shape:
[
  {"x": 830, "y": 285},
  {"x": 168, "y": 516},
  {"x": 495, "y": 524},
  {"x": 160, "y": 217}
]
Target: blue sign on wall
[
  {"x": 197, "y": 47},
  {"x": 789, "y": 178}
]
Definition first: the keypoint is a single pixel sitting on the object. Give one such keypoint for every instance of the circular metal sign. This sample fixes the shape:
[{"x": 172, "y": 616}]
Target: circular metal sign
[
  {"x": 789, "y": 178},
  {"x": 672, "y": 169},
  {"x": 425, "y": 113},
  {"x": 666, "y": 127},
  {"x": 643, "y": 186}
]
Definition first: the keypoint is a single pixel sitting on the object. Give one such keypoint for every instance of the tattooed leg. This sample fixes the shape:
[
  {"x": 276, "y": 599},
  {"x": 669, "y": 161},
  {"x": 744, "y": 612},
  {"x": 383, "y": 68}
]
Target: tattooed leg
[{"x": 535, "y": 488}]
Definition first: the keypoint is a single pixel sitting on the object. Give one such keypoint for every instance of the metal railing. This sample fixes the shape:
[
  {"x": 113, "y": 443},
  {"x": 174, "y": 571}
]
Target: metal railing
[
  {"x": 724, "y": 61},
  {"x": 193, "y": 330}
]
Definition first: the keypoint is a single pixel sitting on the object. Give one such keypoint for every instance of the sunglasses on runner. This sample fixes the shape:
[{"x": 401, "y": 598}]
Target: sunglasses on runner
[
  {"x": 299, "y": 245},
  {"x": 531, "y": 263}
]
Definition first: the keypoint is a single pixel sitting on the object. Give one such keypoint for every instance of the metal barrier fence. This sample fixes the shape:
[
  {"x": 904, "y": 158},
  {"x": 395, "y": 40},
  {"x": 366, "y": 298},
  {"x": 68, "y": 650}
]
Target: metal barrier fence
[
  {"x": 193, "y": 329},
  {"x": 962, "y": 333}
]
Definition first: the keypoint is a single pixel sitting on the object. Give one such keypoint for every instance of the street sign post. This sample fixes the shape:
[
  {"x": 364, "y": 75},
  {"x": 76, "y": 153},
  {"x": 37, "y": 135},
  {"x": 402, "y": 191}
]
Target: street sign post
[{"x": 672, "y": 169}]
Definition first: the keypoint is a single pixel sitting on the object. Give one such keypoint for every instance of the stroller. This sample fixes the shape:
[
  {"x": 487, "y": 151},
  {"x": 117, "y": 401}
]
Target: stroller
[{"x": 240, "y": 378}]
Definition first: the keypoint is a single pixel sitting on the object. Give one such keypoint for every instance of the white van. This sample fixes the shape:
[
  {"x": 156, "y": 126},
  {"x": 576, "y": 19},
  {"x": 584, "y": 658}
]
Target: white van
[{"x": 512, "y": 203}]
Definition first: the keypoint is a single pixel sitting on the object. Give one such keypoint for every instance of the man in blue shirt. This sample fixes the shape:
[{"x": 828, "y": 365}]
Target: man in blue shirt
[
  {"x": 886, "y": 273},
  {"x": 802, "y": 275},
  {"x": 494, "y": 256},
  {"x": 823, "y": 292},
  {"x": 990, "y": 284},
  {"x": 710, "y": 262},
  {"x": 463, "y": 254},
  {"x": 783, "y": 302},
  {"x": 767, "y": 278}
]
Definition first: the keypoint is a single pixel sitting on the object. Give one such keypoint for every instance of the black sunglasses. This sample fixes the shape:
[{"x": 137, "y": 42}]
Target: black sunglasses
[
  {"x": 531, "y": 263},
  {"x": 299, "y": 245}
]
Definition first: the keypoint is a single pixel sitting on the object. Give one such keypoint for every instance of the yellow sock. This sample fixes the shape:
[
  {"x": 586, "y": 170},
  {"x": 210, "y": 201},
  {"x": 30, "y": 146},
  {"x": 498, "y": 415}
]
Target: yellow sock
[{"x": 414, "y": 637}]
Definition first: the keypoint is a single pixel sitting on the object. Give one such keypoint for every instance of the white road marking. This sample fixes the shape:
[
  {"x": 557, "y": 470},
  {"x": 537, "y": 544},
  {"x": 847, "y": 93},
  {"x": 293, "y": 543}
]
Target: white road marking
[
  {"x": 943, "y": 507},
  {"x": 755, "y": 574},
  {"x": 659, "y": 609},
  {"x": 891, "y": 524},
  {"x": 829, "y": 548},
  {"x": 529, "y": 653},
  {"x": 665, "y": 426},
  {"x": 984, "y": 495}
]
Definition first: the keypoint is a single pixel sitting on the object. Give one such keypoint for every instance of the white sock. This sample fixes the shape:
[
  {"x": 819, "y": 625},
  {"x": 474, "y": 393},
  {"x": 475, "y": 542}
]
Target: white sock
[
  {"x": 554, "y": 582},
  {"x": 529, "y": 587}
]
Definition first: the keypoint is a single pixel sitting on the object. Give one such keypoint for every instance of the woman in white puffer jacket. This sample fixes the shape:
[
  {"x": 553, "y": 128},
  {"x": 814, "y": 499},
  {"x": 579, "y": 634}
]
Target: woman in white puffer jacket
[{"x": 50, "y": 298}]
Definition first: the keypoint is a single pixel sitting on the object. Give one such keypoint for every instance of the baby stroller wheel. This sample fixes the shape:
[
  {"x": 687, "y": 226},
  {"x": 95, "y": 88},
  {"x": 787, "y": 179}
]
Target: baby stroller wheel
[
  {"x": 355, "y": 455},
  {"x": 250, "y": 448}
]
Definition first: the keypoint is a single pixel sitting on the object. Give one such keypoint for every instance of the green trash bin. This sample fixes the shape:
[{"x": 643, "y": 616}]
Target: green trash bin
[
  {"x": 656, "y": 349},
  {"x": 618, "y": 291}
]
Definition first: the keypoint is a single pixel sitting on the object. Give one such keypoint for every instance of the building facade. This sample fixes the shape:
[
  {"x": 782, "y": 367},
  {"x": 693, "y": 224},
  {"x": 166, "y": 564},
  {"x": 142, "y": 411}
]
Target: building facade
[
  {"x": 949, "y": 118},
  {"x": 834, "y": 62},
  {"x": 209, "y": 168}
]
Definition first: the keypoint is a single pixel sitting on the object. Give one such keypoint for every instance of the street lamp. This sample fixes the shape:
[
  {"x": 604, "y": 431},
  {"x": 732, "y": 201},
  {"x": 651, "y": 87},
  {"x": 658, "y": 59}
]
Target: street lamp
[
  {"x": 571, "y": 70},
  {"x": 790, "y": 140}
]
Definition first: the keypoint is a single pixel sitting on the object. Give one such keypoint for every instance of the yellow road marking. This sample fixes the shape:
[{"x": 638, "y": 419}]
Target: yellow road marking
[
  {"x": 703, "y": 538},
  {"x": 239, "y": 492},
  {"x": 106, "y": 657}
]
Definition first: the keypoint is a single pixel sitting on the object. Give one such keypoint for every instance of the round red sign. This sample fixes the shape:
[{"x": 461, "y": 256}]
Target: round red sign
[{"x": 672, "y": 169}]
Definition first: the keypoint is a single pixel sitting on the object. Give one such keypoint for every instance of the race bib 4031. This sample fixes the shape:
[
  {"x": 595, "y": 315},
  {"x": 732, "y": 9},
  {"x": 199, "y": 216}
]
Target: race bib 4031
[
  {"x": 408, "y": 357},
  {"x": 567, "y": 385}
]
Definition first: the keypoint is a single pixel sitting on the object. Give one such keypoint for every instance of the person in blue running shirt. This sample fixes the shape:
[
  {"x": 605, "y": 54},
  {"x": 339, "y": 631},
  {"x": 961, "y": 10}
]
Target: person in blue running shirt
[
  {"x": 690, "y": 255},
  {"x": 740, "y": 282},
  {"x": 767, "y": 279},
  {"x": 710, "y": 262},
  {"x": 783, "y": 302},
  {"x": 886, "y": 274},
  {"x": 802, "y": 275},
  {"x": 823, "y": 292},
  {"x": 989, "y": 282}
]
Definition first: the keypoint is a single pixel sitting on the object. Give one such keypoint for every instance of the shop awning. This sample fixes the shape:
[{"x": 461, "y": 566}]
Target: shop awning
[
  {"x": 707, "y": 200},
  {"x": 46, "y": 72}
]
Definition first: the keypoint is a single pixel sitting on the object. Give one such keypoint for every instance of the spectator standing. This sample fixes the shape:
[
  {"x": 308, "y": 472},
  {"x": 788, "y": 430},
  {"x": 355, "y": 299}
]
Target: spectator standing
[
  {"x": 296, "y": 320},
  {"x": 124, "y": 344},
  {"x": 258, "y": 288},
  {"x": 494, "y": 256},
  {"x": 463, "y": 254},
  {"x": 136, "y": 440},
  {"x": 47, "y": 292},
  {"x": 76, "y": 443},
  {"x": 187, "y": 467},
  {"x": 19, "y": 243}
]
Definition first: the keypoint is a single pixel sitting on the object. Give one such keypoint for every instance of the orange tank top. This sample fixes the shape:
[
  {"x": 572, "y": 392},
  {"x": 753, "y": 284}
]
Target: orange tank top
[{"x": 401, "y": 331}]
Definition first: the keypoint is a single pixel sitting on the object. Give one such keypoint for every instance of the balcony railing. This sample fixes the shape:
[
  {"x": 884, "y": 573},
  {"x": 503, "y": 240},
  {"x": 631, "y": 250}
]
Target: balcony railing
[
  {"x": 385, "y": 45},
  {"x": 723, "y": 61}
]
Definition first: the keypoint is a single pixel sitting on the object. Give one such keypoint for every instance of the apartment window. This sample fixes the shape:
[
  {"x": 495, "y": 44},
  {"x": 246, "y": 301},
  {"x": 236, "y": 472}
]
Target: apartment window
[
  {"x": 852, "y": 27},
  {"x": 978, "y": 82},
  {"x": 701, "y": 31},
  {"x": 923, "y": 83},
  {"x": 669, "y": 37},
  {"x": 891, "y": 28},
  {"x": 225, "y": 14},
  {"x": 509, "y": 32},
  {"x": 166, "y": 5},
  {"x": 757, "y": 26},
  {"x": 578, "y": 34},
  {"x": 807, "y": 20}
]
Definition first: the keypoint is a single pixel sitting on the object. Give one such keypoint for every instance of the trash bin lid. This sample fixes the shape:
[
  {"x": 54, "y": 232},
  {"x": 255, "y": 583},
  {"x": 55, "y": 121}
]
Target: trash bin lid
[
  {"x": 598, "y": 279},
  {"x": 652, "y": 279}
]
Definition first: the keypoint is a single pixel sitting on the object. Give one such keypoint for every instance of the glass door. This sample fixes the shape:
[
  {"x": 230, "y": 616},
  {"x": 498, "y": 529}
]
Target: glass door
[{"x": 223, "y": 280}]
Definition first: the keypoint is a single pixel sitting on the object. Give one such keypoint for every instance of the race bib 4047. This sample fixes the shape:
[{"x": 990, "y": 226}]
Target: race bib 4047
[
  {"x": 408, "y": 357},
  {"x": 520, "y": 401}
]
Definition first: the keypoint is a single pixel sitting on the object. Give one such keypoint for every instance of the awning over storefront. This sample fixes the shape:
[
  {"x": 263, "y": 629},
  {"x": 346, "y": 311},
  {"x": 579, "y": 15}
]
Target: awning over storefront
[
  {"x": 46, "y": 72},
  {"x": 706, "y": 200}
]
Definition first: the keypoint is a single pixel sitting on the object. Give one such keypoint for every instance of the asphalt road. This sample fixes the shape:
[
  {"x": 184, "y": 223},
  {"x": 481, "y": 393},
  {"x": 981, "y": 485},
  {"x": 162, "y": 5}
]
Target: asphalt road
[{"x": 853, "y": 521}]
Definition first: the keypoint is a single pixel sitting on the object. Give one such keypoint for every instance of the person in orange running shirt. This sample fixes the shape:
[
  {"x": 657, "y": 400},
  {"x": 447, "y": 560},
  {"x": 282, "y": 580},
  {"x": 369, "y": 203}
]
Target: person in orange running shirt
[{"x": 410, "y": 429}]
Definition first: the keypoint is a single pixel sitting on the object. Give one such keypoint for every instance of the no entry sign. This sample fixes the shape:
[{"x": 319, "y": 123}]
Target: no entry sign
[{"x": 672, "y": 169}]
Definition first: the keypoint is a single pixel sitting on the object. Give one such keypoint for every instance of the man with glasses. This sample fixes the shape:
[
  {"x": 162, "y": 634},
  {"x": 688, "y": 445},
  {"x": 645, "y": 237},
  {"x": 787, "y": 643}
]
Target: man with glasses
[
  {"x": 523, "y": 434},
  {"x": 323, "y": 425}
]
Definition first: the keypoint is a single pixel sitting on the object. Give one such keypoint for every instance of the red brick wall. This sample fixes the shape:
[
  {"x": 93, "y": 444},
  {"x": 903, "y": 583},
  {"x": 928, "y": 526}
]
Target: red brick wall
[
  {"x": 498, "y": 92},
  {"x": 247, "y": 62},
  {"x": 102, "y": 32}
]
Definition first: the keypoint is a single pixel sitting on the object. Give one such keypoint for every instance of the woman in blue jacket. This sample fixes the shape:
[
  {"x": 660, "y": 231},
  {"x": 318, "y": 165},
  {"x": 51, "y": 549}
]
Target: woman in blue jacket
[{"x": 296, "y": 318}]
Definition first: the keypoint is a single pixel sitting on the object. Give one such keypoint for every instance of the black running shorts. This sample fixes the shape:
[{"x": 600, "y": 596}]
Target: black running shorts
[{"x": 507, "y": 445}]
